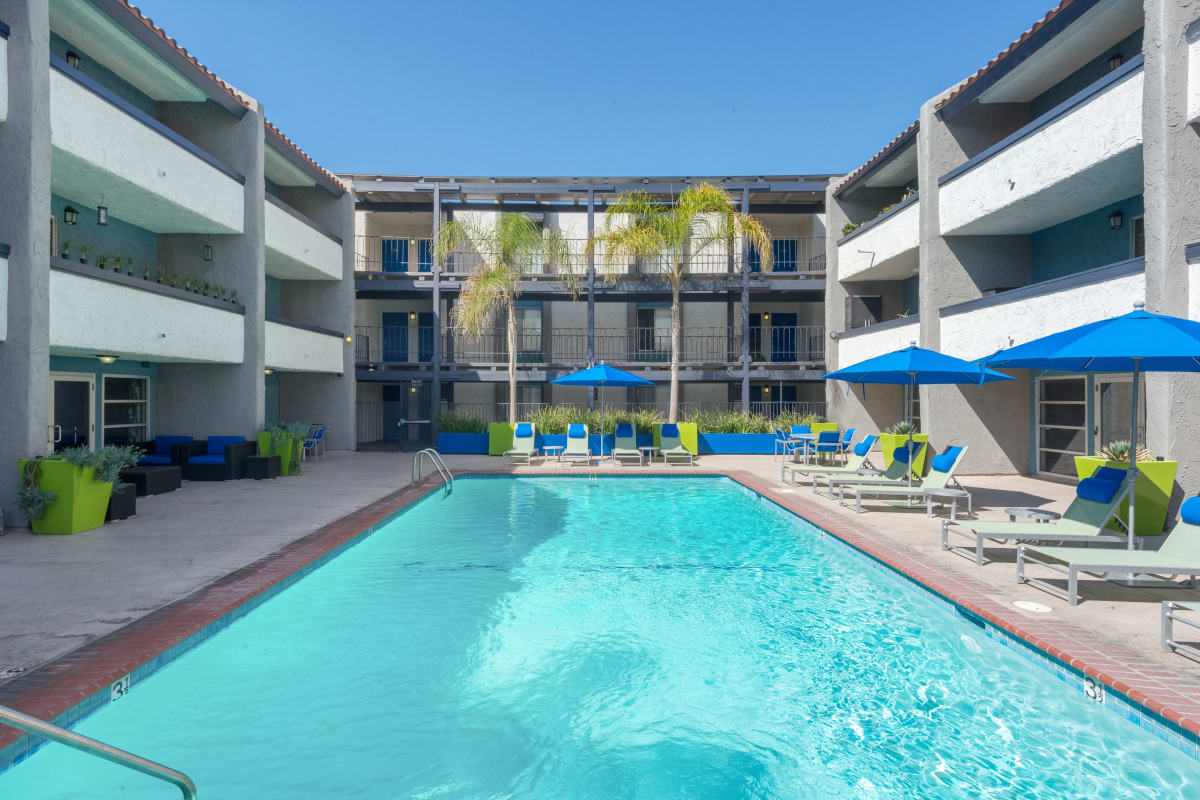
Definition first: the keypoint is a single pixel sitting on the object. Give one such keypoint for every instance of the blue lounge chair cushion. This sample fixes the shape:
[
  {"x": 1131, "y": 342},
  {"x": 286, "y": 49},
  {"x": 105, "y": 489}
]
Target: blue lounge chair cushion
[
  {"x": 946, "y": 460},
  {"x": 1097, "y": 490},
  {"x": 624, "y": 430},
  {"x": 575, "y": 430},
  {"x": 524, "y": 430},
  {"x": 216, "y": 447},
  {"x": 163, "y": 444},
  {"x": 209, "y": 459},
  {"x": 1189, "y": 512},
  {"x": 669, "y": 429},
  {"x": 901, "y": 453},
  {"x": 863, "y": 447},
  {"x": 1110, "y": 474},
  {"x": 154, "y": 459}
]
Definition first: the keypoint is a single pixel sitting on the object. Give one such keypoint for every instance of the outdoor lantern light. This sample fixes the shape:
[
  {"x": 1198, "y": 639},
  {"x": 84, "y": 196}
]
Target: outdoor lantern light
[
  {"x": 349, "y": 339},
  {"x": 766, "y": 390},
  {"x": 412, "y": 242},
  {"x": 412, "y": 389},
  {"x": 1114, "y": 61},
  {"x": 70, "y": 215},
  {"x": 208, "y": 252},
  {"x": 1116, "y": 220},
  {"x": 73, "y": 59},
  {"x": 101, "y": 215},
  {"x": 106, "y": 359},
  {"x": 766, "y": 316},
  {"x": 412, "y": 315},
  {"x": 268, "y": 371}
]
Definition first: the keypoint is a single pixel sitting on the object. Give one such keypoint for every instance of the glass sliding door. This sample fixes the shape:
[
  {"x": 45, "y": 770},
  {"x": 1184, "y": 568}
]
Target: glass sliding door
[
  {"x": 72, "y": 411},
  {"x": 1113, "y": 398},
  {"x": 1062, "y": 419}
]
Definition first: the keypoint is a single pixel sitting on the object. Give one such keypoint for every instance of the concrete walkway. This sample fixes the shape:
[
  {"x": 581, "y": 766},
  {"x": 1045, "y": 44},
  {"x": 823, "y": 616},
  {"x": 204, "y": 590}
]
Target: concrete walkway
[{"x": 62, "y": 591}]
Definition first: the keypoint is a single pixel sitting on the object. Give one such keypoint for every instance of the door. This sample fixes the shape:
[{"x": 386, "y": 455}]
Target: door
[
  {"x": 425, "y": 337},
  {"x": 72, "y": 411},
  {"x": 395, "y": 255},
  {"x": 395, "y": 336},
  {"x": 863, "y": 310},
  {"x": 424, "y": 255},
  {"x": 783, "y": 338},
  {"x": 783, "y": 254},
  {"x": 529, "y": 333},
  {"x": 1062, "y": 424},
  {"x": 1113, "y": 398},
  {"x": 395, "y": 411},
  {"x": 756, "y": 337},
  {"x": 654, "y": 334}
]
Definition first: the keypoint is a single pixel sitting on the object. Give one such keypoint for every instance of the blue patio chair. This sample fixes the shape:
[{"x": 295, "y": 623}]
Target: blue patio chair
[
  {"x": 828, "y": 444},
  {"x": 848, "y": 439},
  {"x": 783, "y": 443},
  {"x": 224, "y": 459},
  {"x": 314, "y": 443}
]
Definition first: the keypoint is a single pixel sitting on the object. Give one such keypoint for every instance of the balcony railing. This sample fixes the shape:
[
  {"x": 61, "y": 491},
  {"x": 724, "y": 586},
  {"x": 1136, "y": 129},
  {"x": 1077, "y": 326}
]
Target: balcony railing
[
  {"x": 498, "y": 412},
  {"x": 795, "y": 255},
  {"x": 397, "y": 344}
]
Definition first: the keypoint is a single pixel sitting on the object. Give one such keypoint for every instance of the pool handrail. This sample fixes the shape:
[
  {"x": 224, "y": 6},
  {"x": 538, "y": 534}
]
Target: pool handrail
[
  {"x": 443, "y": 470},
  {"x": 93, "y": 747}
]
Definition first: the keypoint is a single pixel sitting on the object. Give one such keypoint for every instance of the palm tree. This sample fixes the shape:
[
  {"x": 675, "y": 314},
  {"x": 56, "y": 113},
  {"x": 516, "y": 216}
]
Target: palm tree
[
  {"x": 668, "y": 236},
  {"x": 512, "y": 243}
]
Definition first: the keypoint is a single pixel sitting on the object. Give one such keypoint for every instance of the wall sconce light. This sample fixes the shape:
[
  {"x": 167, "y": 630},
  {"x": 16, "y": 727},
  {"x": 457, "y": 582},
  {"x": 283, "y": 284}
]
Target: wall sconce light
[
  {"x": 268, "y": 371},
  {"x": 106, "y": 359},
  {"x": 349, "y": 339},
  {"x": 766, "y": 390},
  {"x": 1116, "y": 220},
  {"x": 72, "y": 59},
  {"x": 70, "y": 215},
  {"x": 371, "y": 368},
  {"x": 101, "y": 215},
  {"x": 412, "y": 390},
  {"x": 766, "y": 316},
  {"x": 208, "y": 252},
  {"x": 412, "y": 242},
  {"x": 412, "y": 316},
  {"x": 1114, "y": 61}
]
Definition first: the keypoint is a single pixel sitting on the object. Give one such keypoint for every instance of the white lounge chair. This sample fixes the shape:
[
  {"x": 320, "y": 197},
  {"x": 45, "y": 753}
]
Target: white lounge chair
[
  {"x": 578, "y": 444},
  {"x": 523, "y": 449},
  {"x": 858, "y": 460},
  {"x": 625, "y": 444},
  {"x": 670, "y": 445},
  {"x": 941, "y": 476}
]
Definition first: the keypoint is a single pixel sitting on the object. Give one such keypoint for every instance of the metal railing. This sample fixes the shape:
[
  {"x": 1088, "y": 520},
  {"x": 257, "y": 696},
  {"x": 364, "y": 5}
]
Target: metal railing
[
  {"x": 436, "y": 458},
  {"x": 388, "y": 421},
  {"x": 99, "y": 749},
  {"x": 498, "y": 412},
  {"x": 791, "y": 255},
  {"x": 397, "y": 344}
]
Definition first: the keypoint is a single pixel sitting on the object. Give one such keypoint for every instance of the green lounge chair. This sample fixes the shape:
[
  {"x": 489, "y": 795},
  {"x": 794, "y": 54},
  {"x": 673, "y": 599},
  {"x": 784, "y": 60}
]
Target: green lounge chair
[
  {"x": 857, "y": 461},
  {"x": 1096, "y": 502},
  {"x": 523, "y": 449},
  {"x": 941, "y": 476},
  {"x": 670, "y": 445},
  {"x": 895, "y": 475},
  {"x": 577, "y": 444},
  {"x": 625, "y": 446},
  {"x": 1179, "y": 555}
]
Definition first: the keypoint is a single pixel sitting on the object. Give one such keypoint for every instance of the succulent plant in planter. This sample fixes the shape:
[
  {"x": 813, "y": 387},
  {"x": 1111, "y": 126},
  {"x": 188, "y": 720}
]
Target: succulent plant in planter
[
  {"x": 83, "y": 253},
  {"x": 161, "y": 274},
  {"x": 233, "y": 296},
  {"x": 147, "y": 273},
  {"x": 102, "y": 261},
  {"x": 1119, "y": 451},
  {"x": 901, "y": 428},
  {"x": 64, "y": 250},
  {"x": 129, "y": 266}
]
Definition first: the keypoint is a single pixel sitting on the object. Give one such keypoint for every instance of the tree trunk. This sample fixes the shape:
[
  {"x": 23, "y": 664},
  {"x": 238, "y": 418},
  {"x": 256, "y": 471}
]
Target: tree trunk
[
  {"x": 676, "y": 338},
  {"x": 512, "y": 361}
]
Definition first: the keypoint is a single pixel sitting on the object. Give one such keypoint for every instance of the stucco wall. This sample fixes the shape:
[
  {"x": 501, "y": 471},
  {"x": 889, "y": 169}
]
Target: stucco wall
[
  {"x": 887, "y": 249},
  {"x": 862, "y": 346},
  {"x": 1084, "y": 242},
  {"x": 3, "y": 298},
  {"x": 296, "y": 251},
  {"x": 296, "y": 349}
]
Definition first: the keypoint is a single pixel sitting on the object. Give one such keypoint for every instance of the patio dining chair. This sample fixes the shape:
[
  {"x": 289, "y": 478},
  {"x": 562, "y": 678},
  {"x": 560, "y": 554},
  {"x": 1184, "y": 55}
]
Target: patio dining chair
[{"x": 314, "y": 443}]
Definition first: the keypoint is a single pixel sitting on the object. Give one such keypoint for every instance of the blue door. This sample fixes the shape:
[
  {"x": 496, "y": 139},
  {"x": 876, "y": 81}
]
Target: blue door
[
  {"x": 395, "y": 336},
  {"x": 425, "y": 337},
  {"x": 425, "y": 255},
  {"x": 395, "y": 408},
  {"x": 395, "y": 255},
  {"x": 783, "y": 337},
  {"x": 783, "y": 254}
]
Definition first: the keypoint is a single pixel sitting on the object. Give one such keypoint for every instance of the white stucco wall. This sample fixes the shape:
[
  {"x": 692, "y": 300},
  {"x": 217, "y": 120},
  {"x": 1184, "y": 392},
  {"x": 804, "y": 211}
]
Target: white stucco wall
[
  {"x": 297, "y": 252},
  {"x": 1078, "y": 163},
  {"x": 869, "y": 345},
  {"x": 3, "y": 295},
  {"x": 298, "y": 350},
  {"x": 96, "y": 316},
  {"x": 146, "y": 178},
  {"x": 3, "y": 79},
  {"x": 885, "y": 251},
  {"x": 984, "y": 331},
  {"x": 1193, "y": 82}
]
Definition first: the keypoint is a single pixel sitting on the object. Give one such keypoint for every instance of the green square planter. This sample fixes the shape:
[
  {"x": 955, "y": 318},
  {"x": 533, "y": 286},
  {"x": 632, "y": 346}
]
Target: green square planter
[
  {"x": 1154, "y": 485},
  {"x": 888, "y": 442},
  {"x": 284, "y": 448},
  {"x": 500, "y": 437},
  {"x": 81, "y": 500},
  {"x": 689, "y": 437},
  {"x": 822, "y": 427}
]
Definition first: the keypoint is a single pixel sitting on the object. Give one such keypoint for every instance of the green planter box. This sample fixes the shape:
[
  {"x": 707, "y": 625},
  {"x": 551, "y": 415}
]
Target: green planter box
[
  {"x": 888, "y": 442},
  {"x": 500, "y": 437},
  {"x": 1154, "y": 485},
  {"x": 81, "y": 500},
  {"x": 284, "y": 447},
  {"x": 822, "y": 427},
  {"x": 689, "y": 437}
]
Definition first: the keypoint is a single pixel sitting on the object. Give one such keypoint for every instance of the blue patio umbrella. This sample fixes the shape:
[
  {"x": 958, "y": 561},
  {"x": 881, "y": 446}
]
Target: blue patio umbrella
[
  {"x": 1136, "y": 342},
  {"x": 602, "y": 375},
  {"x": 915, "y": 366}
]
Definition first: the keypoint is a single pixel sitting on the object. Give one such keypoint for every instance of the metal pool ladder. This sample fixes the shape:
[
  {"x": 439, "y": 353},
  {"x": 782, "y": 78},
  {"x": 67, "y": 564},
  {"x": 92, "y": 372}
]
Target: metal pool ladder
[
  {"x": 436, "y": 458},
  {"x": 92, "y": 747}
]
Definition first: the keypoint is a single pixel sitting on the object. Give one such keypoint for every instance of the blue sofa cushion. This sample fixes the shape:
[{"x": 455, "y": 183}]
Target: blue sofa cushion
[
  {"x": 946, "y": 460},
  {"x": 524, "y": 430},
  {"x": 217, "y": 445},
  {"x": 154, "y": 459},
  {"x": 163, "y": 444},
  {"x": 625, "y": 430},
  {"x": 669, "y": 430},
  {"x": 1097, "y": 490},
  {"x": 209, "y": 459},
  {"x": 1189, "y": 512},
  {"x": 575, "y": 430}
]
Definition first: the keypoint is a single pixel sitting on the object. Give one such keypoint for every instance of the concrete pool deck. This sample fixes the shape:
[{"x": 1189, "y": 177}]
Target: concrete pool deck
[{"x": 66, "y": 592}]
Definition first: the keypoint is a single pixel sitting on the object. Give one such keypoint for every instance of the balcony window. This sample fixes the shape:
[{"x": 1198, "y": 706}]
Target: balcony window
[
  {"x": 425, "y": 255},
  {"x": 395, "y": 255}
]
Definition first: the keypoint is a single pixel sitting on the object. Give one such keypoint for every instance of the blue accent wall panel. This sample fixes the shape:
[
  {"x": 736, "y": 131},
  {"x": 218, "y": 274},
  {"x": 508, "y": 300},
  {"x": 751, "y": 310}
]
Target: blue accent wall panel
[
  {"x": 1082, "y": 243},
  {"x": 102, "y": 75},
  {"x": 118, "y": 238},
  {"x": 273, "y": 288},
  {"x": 910, "y": 300}
]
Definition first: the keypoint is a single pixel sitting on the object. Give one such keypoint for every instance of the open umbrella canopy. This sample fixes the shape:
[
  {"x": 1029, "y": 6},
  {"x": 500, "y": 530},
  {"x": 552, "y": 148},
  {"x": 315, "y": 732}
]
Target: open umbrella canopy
[
  {"x": 915, "y": 366},
  {"x": 602, "y": 375},
  {"x": 1138, "y": 340}
]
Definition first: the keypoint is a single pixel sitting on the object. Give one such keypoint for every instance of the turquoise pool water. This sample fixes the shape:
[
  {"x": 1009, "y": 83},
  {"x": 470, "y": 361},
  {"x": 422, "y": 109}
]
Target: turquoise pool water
[{"x": 616, "y": 638}]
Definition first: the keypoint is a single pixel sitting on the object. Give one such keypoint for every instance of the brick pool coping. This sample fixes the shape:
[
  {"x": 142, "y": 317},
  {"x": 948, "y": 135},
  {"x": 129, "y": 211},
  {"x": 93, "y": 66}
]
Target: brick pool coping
[{"x": 55, "y": 689}]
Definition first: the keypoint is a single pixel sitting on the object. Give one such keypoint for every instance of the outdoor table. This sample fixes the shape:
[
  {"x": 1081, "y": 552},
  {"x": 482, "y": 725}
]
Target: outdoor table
[
  {"x": 1035, "y": 514},
  {"x": 808, "y": 439},
  {"x": 553, "y": 450},
  {"x": 647, "y": 452},
  {"x": 944, "y": 494},
  {"x": 153, "y": 480}
]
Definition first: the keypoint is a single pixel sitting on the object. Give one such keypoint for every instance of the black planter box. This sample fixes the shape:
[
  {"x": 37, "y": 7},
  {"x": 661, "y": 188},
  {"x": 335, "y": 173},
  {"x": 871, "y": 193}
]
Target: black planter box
[{"x": 122, "y": 504}]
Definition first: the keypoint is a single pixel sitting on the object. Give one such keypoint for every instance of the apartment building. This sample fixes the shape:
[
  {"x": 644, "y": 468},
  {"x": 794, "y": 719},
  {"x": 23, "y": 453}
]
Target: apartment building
[
  {"x": 1055, "y": 186},
  {"x": 169, "y": 261},
  {"x": 752, "y": 339}
]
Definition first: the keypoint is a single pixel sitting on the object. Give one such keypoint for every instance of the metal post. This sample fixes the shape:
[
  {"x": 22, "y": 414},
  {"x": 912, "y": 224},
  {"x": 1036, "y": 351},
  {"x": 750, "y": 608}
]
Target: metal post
[
  {"x": 435, "y": 402},
  {"x": 745, "y": 307},
  {"x": 591, "y": 293},
  {"x": 1133, "y": 470}
]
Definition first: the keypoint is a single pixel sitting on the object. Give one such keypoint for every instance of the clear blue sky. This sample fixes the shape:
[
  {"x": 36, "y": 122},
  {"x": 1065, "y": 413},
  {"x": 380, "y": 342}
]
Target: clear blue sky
[{"x": 460, "y": 87}]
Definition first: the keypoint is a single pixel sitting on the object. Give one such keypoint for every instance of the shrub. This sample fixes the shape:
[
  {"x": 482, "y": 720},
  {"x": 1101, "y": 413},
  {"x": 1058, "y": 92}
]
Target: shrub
[
  {"x": 1119, "y": 451},
  {"x": 31, "y": 497},
  {"x": 460, "y": 422},
  {"x": 850, "y": 227},
  {"x": 902, "y": 428}
]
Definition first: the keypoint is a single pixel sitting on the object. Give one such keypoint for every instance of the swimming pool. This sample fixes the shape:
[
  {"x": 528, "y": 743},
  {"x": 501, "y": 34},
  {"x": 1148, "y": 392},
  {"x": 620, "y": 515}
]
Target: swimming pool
[{"x": 621, "y": 637}]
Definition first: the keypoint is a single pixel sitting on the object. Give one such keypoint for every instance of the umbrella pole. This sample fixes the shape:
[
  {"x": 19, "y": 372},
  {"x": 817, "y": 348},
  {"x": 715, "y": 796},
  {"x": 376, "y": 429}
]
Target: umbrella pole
[
  {"x": 1133, "y": 470},
  {"x": 912, "y": 386}
]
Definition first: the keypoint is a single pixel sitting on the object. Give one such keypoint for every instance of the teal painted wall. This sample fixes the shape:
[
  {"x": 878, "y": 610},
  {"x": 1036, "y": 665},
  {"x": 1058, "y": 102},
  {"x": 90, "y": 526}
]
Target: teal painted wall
[
  {"x": 81, "y": 364},
  {"x": 272, "y": 398},
  {"x": 1085, "y": 76},
  {"x": 273, "y": 288},
  {"x": 910, "y": 300},
  {"x": 118, "y": 238},
  {"x": 1083, "y": 243},
  {"x": 102, "y": 75}
]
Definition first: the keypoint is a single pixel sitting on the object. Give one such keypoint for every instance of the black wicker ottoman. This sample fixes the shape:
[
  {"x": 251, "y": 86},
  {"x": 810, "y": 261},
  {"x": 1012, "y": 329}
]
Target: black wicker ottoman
[
  {"x": 153, "y": 480},
  {"x": 259, "y": 467}
]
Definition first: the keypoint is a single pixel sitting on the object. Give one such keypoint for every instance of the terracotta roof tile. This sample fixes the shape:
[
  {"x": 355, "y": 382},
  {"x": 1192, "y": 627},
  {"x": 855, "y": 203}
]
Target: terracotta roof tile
[
  {"x": 271, "y": 127},
  {"x": 878, "y": 156}
]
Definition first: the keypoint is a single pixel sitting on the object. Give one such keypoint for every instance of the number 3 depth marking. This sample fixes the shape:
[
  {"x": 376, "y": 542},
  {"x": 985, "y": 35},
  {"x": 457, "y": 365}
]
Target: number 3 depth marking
[
  {"x": 119, "y": 689},
  {"x": 1093, "y": 690}
]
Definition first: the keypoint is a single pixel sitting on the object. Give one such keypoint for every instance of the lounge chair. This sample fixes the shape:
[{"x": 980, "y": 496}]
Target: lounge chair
[
  {"x": 523, "y": 448},
  {"x": 858, "y": 460},
  {"x": 625, "y": 444},
  {"x": 577, "y": 444},
  {"x": 1096, "y": 501},
  {"x": 670, "y": 445},
  {"x": 224, "y": 459},
  {"x": 1170, "y": 615},
  {"x": 941, "y": 476},
  {"x": 167, "y": 451},
  {"x": 1179, "y": 555},
  {"x": 896, "y": 473}
]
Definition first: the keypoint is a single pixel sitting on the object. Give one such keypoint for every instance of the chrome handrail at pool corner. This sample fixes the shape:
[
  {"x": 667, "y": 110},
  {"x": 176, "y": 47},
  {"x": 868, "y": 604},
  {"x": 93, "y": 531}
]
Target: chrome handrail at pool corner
[
  {"x": 96, "y": 748},
  {"x": 419, "y": 459}
]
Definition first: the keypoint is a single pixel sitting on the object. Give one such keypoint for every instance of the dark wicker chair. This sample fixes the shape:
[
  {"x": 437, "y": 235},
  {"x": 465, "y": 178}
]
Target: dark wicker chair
[
  {"x": 165, "y": 451},
  {"x": 223, "y": 459}
]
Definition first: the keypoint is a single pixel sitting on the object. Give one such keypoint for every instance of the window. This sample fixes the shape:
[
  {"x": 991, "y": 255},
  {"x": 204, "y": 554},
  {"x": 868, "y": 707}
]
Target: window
[
  {"x": 1137, "y": 237},
  {"x": 126, "y": 409},
  {"x": 916, "y": 406},
  {"x": 425, "y": 255},
  {"x": 863, "y": 310},
  {"x": 1062, "y": 424}
]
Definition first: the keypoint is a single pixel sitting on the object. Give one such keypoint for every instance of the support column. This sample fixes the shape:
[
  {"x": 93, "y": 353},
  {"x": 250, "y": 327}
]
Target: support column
[
  {"x": 435, "y": 399},
  {"x": 591, "y": 292},
  {"x": 24, "y": 208},
  {"x": 745, "y": 308}
]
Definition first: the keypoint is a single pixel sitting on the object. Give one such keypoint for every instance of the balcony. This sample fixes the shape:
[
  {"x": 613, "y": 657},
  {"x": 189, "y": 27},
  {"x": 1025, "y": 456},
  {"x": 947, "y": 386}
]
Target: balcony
[
  {"x": 95, "y": 311},
  {"x": 498, "y": 412},
  {"x": 980, "y": 327},
  {"x": 860, "y": 344},
  {"x": 157, "y": 179},
  {"x": 299, "y": 249},
  {"x": 884, "y": 248},
  {"x": 292, "y": 347},
  {"x": 1079, "y": 156}
]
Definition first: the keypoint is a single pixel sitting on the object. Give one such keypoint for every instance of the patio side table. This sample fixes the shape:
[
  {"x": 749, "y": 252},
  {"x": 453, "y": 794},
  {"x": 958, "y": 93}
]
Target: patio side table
[
  {"x": 153, "y": 480},
  {"x": 942, "y": 495},
  {"x": 647, "y": 452},
  {"x": 260, "y": 467},
  {"x": 1035, "y": 514},
  {"x": 553, "y": 450}
]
